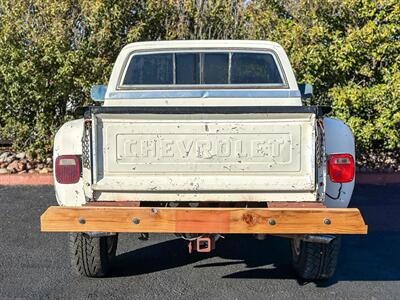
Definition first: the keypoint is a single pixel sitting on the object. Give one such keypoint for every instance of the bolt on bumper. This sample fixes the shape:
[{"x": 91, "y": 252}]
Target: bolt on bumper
[{"x": 204, "y": 220}]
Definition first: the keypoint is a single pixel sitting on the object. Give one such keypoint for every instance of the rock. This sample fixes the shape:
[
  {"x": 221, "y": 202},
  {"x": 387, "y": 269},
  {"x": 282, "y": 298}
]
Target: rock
[
  {"x": 4, "y": 155},
  {"x": 21, "y": 155},
  {"x": 21, "y": 172},
  {"x": 22, "y": 163},
  {"x": 10, "y": 158},
  {"x": 44, "y": 171},
  {"x": 3, "y": 171},
  {"x": 13, "y": 166},
  {"x": 21, "y": 166}
]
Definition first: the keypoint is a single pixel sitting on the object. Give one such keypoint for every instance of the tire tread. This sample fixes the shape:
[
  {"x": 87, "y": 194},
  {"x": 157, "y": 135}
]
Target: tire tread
[
  {"x": 317, "y": 261},
  {"x": 89, "y": 256}
]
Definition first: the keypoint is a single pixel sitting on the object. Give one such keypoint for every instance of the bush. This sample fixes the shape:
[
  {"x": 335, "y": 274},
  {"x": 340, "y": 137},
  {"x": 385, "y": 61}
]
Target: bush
[
  {"x": 350, "y": 51},
  {"x": 51, "y": 52},
  {"x": 373, "y": 114}
]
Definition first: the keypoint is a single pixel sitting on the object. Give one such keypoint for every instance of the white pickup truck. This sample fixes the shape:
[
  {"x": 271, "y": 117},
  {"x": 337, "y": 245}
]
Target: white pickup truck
[{"x": 204, "y": 139}]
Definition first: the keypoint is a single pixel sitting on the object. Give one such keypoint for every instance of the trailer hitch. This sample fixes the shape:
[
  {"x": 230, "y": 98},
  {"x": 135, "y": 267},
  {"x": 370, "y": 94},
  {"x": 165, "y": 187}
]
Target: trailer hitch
[{"x": 202, "y": 244}]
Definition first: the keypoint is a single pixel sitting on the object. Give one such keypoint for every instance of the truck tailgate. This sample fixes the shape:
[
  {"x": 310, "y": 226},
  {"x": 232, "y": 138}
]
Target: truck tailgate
[{"x": 199, "y": 153}]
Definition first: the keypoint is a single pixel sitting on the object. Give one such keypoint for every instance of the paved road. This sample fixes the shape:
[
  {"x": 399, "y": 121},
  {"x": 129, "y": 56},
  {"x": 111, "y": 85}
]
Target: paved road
[{"x": 35, "y": 265}]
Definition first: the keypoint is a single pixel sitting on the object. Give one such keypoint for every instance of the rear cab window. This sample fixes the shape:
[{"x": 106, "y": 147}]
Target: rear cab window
[{"x": 203, "y": 69}]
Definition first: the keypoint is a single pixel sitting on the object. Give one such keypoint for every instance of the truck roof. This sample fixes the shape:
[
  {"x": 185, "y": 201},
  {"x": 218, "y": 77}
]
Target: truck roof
[
  {"x": 202, "y": 94},
  {"x": 198, "y": 44}
]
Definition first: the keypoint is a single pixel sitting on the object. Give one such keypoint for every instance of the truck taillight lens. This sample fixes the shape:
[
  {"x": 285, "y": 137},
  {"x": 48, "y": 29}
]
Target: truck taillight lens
[
  {"x": 341, "y": 167},
  {"x": 67, "y": 169}
]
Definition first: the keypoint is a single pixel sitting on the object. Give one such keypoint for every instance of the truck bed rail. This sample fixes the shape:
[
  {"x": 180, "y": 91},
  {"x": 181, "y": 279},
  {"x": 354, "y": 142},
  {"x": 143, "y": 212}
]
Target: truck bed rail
[{"x": 315, "y": 109}]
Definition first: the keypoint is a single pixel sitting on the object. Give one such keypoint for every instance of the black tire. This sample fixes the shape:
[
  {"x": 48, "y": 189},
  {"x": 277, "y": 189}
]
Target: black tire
[
  {"x": 91, "y": 257},
  {"x": 315, "y": 261}
]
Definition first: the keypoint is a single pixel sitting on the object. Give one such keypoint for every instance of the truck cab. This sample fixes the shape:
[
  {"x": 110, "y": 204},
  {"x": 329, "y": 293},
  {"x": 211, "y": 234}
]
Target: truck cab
[{"x": 204, "y": 139}]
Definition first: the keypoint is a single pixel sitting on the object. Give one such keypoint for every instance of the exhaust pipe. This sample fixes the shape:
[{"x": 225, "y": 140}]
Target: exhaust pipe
[
  {"x": 314, "y": 238},
  {"x": 311, "y": 238},
  {"x": 99, "y": 234}
]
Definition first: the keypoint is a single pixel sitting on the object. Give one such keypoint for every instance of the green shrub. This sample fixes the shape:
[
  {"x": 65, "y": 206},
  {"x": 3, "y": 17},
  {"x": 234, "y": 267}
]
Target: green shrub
[
  {"x": 350, "y": 51},
  {"x": 51, "y": 52}
]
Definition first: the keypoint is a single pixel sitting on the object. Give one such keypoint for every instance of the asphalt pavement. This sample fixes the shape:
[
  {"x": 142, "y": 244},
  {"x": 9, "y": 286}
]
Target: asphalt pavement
[{"x": 35, "y": 265}]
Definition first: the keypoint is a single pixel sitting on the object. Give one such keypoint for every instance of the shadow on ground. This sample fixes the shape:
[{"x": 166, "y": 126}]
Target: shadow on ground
[{"x": 372, "y": 257}]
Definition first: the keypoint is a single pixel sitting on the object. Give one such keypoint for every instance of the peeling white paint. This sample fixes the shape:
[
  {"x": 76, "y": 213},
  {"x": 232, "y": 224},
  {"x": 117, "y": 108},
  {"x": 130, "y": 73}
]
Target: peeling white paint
[{"x": 164, "y": 153}]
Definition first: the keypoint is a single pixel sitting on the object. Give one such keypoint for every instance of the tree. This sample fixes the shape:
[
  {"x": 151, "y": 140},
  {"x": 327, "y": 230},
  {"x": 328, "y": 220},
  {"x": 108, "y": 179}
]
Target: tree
[
  {"x": 350, "y": 51},
  {"x": 51, "y": 52}
]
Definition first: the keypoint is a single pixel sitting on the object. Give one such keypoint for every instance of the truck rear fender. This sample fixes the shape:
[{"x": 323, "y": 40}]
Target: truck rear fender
[
  {"x": 338, "y": 139},
  {"x": 68, "y": 141}
]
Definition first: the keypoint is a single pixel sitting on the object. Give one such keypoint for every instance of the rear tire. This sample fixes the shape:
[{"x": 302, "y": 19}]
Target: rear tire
[
  {"x": 91, "y": 257},
  {"x": 315, "y": 261}
]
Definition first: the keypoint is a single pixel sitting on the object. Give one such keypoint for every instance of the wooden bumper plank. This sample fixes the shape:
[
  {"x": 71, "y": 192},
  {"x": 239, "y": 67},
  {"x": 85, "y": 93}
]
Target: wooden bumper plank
[{"x": 204, "y": 220}]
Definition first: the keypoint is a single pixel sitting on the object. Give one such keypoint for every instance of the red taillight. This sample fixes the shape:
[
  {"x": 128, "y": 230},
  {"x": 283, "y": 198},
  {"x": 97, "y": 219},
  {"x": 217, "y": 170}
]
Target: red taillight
[
  {"x": 341, "y": 167},
  {"x": 67, "y": 169}
]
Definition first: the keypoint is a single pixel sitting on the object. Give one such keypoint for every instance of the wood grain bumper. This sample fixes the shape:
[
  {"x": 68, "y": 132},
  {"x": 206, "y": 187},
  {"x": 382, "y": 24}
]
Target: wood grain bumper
[{"x": 204, "y": 220}]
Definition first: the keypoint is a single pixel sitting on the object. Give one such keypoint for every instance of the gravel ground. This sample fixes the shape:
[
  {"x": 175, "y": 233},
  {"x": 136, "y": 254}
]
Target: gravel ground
[{"x": 35, "y": 265}]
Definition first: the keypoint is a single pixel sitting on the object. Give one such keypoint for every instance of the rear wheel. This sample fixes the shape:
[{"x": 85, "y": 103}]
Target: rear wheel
[
  {"x": 91, "y": 257},
  {"x": 315, "y": 261}
]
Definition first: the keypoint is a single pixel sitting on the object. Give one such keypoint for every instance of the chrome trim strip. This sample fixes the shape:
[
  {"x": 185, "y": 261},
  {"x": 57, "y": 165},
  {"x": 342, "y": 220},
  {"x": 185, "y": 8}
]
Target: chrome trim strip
[{"x": 204, "y": 94}]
